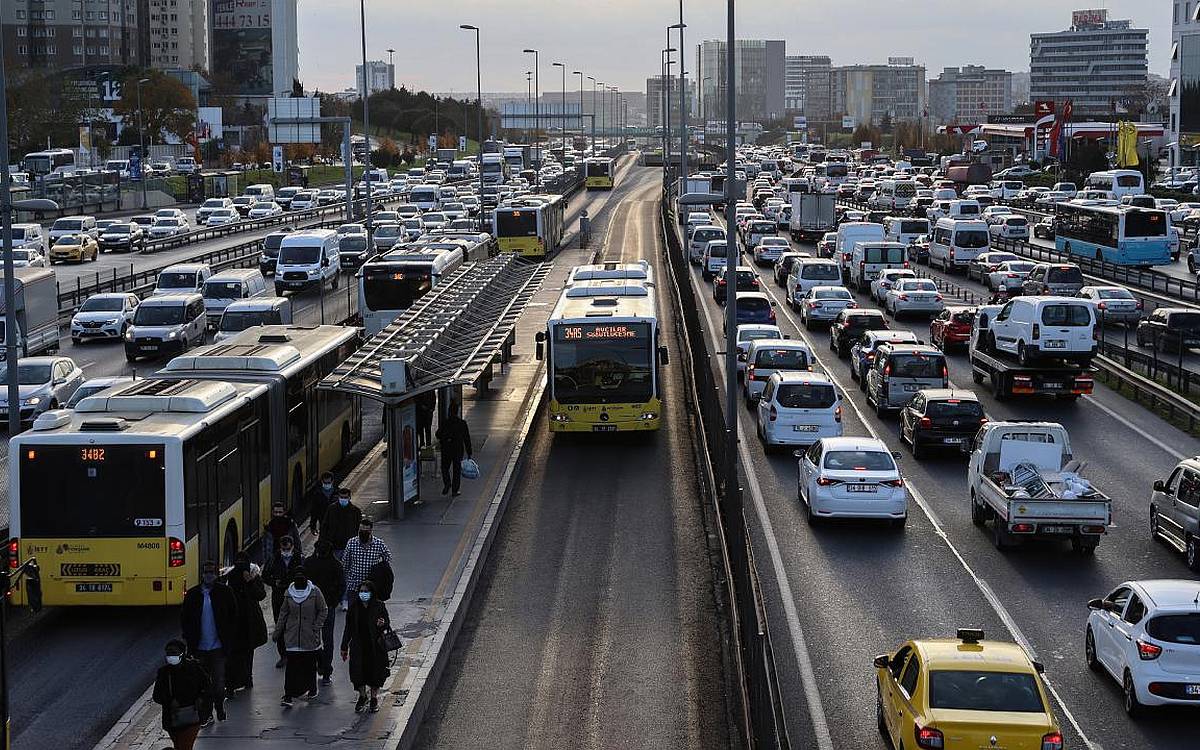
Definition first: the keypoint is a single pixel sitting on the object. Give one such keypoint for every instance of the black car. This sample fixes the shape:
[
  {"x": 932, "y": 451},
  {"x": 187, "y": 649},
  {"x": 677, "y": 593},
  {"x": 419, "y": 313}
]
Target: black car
[
  {"x": 123, "y": 236},
  {"x": 747, "y": 281},
  {"x": 941, "y": 418},
  {"x": 270, "y": 251},
  {"x": 918, "y": 250},
  {"x": 1168, "y": 328},
  {"x": 849, "y": 326}
]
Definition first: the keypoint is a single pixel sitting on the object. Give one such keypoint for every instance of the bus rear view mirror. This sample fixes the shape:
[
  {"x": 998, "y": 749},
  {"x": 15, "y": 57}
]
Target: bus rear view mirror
[{"x": 663, "y": 355}]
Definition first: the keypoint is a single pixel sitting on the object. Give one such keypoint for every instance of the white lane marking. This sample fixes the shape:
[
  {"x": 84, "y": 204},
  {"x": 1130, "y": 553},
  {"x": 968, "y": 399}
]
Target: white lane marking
[{"x": 808, "y": 676}]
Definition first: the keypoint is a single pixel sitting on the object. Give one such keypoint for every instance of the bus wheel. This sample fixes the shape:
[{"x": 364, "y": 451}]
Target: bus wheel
[{"x": 230, "y": 547}]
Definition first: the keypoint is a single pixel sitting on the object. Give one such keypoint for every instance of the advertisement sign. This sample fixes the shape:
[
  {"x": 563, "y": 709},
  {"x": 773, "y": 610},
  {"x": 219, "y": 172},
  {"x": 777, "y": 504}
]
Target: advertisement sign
[
  {"x": 1043, "y": 107},
  {"x": 277, "y": 159},
  {"x": 848, "y": 123},
  {"x": 241, "y": 44},
  {"x": 799, "y": 122},
  {"x": 408, "y": 446},
  {"x": 293, "y": 108},
  {"x": 1189, "y": 85},
  {"x": 135, "y": 163},
  {"x": 1090, "y": 17},
  {"x": 433, "y": 142}
]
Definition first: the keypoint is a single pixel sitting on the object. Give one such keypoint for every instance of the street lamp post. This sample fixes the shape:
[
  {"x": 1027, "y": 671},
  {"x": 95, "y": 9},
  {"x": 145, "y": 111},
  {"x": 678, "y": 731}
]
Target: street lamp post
[
  {"x": 593, "y": 80},
  {"x": 683, "y": 118},
  {"x": 666, "y": 108},
  {"x": 142, "y": 141},
  {"x": 600, "y": 110},
  {"x": 366, "y": 98},
  {"x": 537, "y": 111},
  {"x": 563, "y": 114},
  {"x": 478, "y": 101},
  {"x": 580, "y": 74},
  {"x": 733, "y": 497},
  {"x": 528, "y": 104}
]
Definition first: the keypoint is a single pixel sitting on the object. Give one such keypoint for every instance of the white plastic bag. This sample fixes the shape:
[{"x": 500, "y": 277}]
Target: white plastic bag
[{"x": 470, "y": 469}]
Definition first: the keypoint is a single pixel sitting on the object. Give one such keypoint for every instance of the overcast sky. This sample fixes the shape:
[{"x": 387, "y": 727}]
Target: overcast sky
[{"x": 618, "y": 41}]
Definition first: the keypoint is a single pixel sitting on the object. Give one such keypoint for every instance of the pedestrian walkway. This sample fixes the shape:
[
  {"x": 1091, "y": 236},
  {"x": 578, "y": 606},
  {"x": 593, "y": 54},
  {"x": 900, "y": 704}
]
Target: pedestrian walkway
[{"x": 435, "y": 554}]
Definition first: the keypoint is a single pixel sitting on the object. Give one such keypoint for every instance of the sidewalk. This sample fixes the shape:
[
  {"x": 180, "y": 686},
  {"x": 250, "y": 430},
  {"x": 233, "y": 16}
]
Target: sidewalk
[{"x": 435, "y": 554}]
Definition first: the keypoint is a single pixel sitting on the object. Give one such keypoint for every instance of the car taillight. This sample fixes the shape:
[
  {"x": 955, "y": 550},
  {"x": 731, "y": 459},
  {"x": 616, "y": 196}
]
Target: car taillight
[
  {"x": 813, "y": 303},
  {"x": 887, "y": 370},
  {"x": 951, "y": 255},
  {"x": 1138, "y": 304},
  {"x": 774, "y": 414},
  {"x": 837, "y": 414},
  {"x": 1037, "y": 331},
  {"x": 826, "y": 481},
  {"x": 1022, "y": 528},
  {"x": 845, "y": 256},
  {"x": 771, "y": 314},
  {"x": 925, "y": 423},
  {"x": 852, "y": 304},
  {"x": 175, "y": 553},
  {"x": 13, "y": 553},
  {"x": 893, "y": 482},
  {"x": 1102, "y": 305},
  {"x": 750, "y": 372},
  {"x": 1148, "y": 651},
  {"x": 930, "y": 738},
  {"x": 939, "y": 297},
  {"x": 903, "y": 297},
  {"x": 1052, "y": 741}
]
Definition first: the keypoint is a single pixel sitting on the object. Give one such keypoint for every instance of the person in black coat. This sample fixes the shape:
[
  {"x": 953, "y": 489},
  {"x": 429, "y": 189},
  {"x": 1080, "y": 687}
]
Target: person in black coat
[
  {"x": 319, "y": 500},
  {"x": 362, "y": 645},
  {"x": 210, "y": 630},
  {"x": 180, "y": 684},
  {"x": 326, "y": 573},
  {"x": 245, "y": 581},
  {"x": 340, "y": 522},
  {"x": 454, "y": 437},
  {"x": 278, "y": 574}
]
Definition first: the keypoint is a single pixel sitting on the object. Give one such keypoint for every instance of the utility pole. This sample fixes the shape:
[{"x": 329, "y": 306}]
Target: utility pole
[
  {"x": 366, "y": 99},
  {"x": 683, "y": 118},
  {"x": 733, "y": 498}
]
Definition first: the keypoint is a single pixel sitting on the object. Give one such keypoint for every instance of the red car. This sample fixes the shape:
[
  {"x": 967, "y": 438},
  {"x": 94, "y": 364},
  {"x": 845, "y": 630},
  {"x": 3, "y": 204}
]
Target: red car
[{"x": 952, "y": 327}]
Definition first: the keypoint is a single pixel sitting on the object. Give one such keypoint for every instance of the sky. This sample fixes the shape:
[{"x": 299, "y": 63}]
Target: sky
[{"x": 619, "y": 41}]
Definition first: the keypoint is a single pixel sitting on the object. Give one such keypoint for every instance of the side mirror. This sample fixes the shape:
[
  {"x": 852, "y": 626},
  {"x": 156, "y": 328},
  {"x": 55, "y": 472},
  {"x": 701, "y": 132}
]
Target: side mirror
[
  {"x": 1039, "y": 667},
  {"x": 1160, "y": 485},
  {"x": 664, "y": 356},
  {"x": 896, "y": 455},
  {"x": 1098, "y": 604},
  {"x": 798, "y": 454},
  {"x": 883, "y": 661},
  {"x": 540, "y": 350}
]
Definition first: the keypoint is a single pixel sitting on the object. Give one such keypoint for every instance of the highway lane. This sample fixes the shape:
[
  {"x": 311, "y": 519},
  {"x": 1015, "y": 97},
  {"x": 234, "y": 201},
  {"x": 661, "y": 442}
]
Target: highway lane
[
  {"x": 943, "y": 572},
  {"x": 594, "y": 625}
]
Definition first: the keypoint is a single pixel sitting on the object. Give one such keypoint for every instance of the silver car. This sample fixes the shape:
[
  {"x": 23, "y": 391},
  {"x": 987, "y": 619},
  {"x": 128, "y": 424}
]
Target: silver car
[{"x": 44, "y": 382}]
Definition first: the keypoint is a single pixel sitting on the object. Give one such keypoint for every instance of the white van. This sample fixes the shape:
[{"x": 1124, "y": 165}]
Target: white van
[
  {"x": 956, "y": 242},
  {"x": 259, "y": 311},
  {"x": 798, "y": 408},
  {"x": 73, "y": 225},
  {"x": 809, "y": 272},
  {"x": 166, "y": 324},
  {"x": 308, "y": 258},
  {"x": 965, "y": 209},
  {"x": 848, "y": 234},
  {"x": 425, "y": 197},
  {"x": 869, "y": 258},
  {"x": 894, "y": 195},
  {"x": 182, "y": 277},
  {"x": 263, "y": 192},
  {"x": 903, "y": 229},
  {"x": 29, "y": 237},
  {"x": 229, "y": 286},
  {"x": 701, "y": 236},
  {"x": 1033, "y": 328},
  {"x": 716, "y": 255}
]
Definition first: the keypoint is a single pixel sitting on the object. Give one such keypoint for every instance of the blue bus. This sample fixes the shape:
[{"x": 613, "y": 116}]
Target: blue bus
[{"x": 1124, "y": 235}]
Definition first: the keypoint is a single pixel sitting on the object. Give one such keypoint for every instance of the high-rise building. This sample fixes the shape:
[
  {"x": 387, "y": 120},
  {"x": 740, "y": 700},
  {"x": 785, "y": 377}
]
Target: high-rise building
[
  {"x": 799, "y": 70},
  {"x": 1094, "y": 63},
  {"x": 1184, "y": 88},
  {"x": 253, "y": 44},
  {"x": 970, "y": 94},
  {"x": 654, "y": 100},
  {"x": 176, "y": 33},
  {"x": 759, "y": 88},
  {"x": 876, "y": 93},
  {"x": 381, "y": 76},
  {"x": 54, "y": 35}
]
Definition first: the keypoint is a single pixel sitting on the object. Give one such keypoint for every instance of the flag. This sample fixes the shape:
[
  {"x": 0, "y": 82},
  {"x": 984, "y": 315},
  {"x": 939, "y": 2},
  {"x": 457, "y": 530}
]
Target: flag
[
  {"x": 1127, "y": 144},
  {"x": 1055, "y": 138}
]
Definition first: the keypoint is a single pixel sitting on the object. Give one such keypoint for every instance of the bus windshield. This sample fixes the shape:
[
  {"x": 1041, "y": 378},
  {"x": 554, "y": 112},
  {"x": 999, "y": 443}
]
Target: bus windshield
[
  {"x": 602, "y": 363},
  {"x": 395, "y": 288},
  {"x": 93, "y": 491},
  {"x": 516, "y": 223},
  {"x": 1145, "y": 224}
]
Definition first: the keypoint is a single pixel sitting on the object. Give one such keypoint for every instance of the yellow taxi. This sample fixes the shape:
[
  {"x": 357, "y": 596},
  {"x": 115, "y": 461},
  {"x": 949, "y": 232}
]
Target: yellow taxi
[
  {"x": 76, "y": 247},
  {"x": 964, "y": 693}
]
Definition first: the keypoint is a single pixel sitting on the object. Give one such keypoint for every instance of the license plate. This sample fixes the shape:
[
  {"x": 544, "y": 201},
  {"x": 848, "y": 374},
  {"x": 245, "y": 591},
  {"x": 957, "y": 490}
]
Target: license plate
[
  {"x": 1056, "y": 345},
  {"x": 860, "y": 488},
  {"x": 604, "y": 428},
  {"x": 1057, "y": 529},
  {"x": 146, "y": 348},
  {"x": 912, "y": 387},
  {"x": 804, "y": 427},
  {"x": 1192, "y": 689},
  {"x": 954, "y": 441},
  {"x": 93, "y": 588},
  {"x": 1054, "y": 386}
]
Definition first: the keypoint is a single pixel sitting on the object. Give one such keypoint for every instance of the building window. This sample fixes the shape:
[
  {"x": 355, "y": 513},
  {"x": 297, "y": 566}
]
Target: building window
[
  {"x": 104, "y": 50},
  {"x": 22, "y": 49},
  {"x": 1175, "y": 17},
  {"x": 50, "y": 17},
  {"x": 50, "y": 50},
  {"x": 20, "y": 31},
  {"x": 77, "y": 15},
  {"x": 77, "y": 50}
]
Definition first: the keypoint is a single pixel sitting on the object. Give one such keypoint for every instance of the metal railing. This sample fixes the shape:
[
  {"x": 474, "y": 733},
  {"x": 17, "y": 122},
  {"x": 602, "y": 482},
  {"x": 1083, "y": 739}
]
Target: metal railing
[{"x": 761, "y": 709}]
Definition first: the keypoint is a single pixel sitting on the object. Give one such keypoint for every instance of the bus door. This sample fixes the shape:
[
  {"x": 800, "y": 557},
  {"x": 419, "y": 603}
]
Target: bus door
[
  {"x": 250, "y": 448},
  {"x": 208, "y": 507}
]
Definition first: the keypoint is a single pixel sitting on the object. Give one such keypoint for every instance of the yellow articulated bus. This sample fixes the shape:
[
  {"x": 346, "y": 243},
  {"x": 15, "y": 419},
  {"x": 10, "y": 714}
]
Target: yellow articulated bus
[
  {"x": 122, "y": 499},
  {"x": 531, "y": 226},
  {"x": 599, "y": 172},
  {"x": 602, "y": 350}
]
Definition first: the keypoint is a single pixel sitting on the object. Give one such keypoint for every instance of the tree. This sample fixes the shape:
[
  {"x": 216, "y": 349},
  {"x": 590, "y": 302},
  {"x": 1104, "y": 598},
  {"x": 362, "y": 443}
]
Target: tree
[
  {"x": 866, "y": 132},
  {"x": 385, "y": 153},
  {"x": 1147, "y": 97},
  {"x": 44, "y": 110},
  {"x": 167, "y": 105}
]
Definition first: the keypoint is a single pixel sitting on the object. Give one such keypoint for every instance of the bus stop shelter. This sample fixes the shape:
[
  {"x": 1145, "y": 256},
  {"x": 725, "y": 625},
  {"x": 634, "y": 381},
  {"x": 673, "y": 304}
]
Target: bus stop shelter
[{"x": 455, "y": 335}]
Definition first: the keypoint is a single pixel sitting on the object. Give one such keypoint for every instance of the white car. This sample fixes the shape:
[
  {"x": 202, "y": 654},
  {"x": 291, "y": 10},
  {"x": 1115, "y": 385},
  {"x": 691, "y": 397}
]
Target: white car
[
  {"x": 798, "y": 408},
  {"x": 1051, "y": 197},
  {"x": 304, "y": 201},
  {"x": 168, "y": 226},
  {"x": 913, "y": 297},
  {"x": 92, "y": 386},
  {"x": 29, "y": 258},
  {"x": 747, "y": 332},
  {"x": 1009, "y": 275},
  {"x": 851, "y": 477},
  {"x": 263, "y": 209},
  {"x": 992, "y": 214},
  {"x": 103, "y": 316},
  {"x": 222, "y": 216},
  {"x": 1010, "y": 228},
  {"x": 1114, "y": 304},
  {"x": 821, "y": 304},
  {"x": 1182, "y": 211},
  {"x": 434, "y": 220},
  {"x": 177, "y": 213},
  {"x": 212, "y": 204},
  {"x": 1146, "y": 635},
  {"x": 886, "y": 279},
  {"x": 769, "y": 249}
]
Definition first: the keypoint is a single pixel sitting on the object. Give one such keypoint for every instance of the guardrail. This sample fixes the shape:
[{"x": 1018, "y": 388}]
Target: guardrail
[{"x": 760, "y": 707}]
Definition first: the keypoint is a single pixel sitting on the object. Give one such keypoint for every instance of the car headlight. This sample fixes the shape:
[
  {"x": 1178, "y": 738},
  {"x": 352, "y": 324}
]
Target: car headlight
[
  {"x": 129, "y": 334},
  {"x": 172, "y": 334},
  {"x": 112, "y": 321},
  {"x": 31, "y": 401}
]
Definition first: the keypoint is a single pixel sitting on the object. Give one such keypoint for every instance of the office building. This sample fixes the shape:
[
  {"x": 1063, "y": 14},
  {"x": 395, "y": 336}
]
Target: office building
[
  {"x": 970, "y": 94},
  {"x": 1093, "y": 63},
  {"x": 253, "y": 44},
  {"x": 654, "y": 100},
  {"x": 53, "y": 35},
  {"x": 1184, "y": 87},
  {"x": 759, "y": 88},
  {"x": 381, "y": 76},
  {"x": 879, "y": 93},
  {"x": 799, "y": 71},
  {"x": 176, "y": 33}
]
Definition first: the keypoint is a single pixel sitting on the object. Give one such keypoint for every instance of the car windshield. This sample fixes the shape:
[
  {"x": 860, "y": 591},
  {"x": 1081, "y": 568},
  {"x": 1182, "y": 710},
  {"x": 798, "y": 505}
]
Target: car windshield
[
  {"x": 970, "y": 239},
  {"x": 831, "y": 294},
  {"x": 22, "y": 254},
  {"x": 158, "y": 315},
  {"x": 1181, "y": 628},
  {"x": 918, "y": 285},
  {"x": 102, "y": 304},
  {"x": 177, "y": 280},
  {"x": 806, "y": 395},
  {"x": 166, "y": 221},
  {"x": 223, "y": 289},
  {"x": 1067, "y": 315},
  {"x": 69, "y": 239},
  {"x": 263, "y": 206},
  {"x": 820, "y": 272},
  {"x": 299, "y": 255},
  {"x": 69, "y": 224},
  {"x": 1019, "y": 267},
  {"x": 28, "y": 374},
  {"x": 781, "y": 359},
  {"x": 388, "y": 231},
  {"x": 752, "y": 304},
  {"x": 984, "y": 691},
  {"x": 1070, "y": 275},
  {"x": 954, "y": 408},
  {"x": 916, "y": 366},
  {"x": 755, "y": 334},
  {"x": 859, "y": 460},
  {"x": 118, "y": 229},
  {"x": 214, "y": 203}
]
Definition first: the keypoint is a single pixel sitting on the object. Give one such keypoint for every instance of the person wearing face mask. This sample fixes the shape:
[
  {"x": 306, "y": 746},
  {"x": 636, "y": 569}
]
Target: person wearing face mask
[
  {"x": 298, "y": 629},
  {"x": 208, "y": 619},
  {"x": 320, "y": 498},
  {"x": 340, "y": 523},
  {"x": 278, "y": 575},
  {"x": 280, "y": 525},
  {"x": 362, "y": 645},
  {"x": 245, "y": 581},
  {"x": 326, "y": 573},
  {"x": 182, "y": 688},
  {"x": 363, "y": 552}
]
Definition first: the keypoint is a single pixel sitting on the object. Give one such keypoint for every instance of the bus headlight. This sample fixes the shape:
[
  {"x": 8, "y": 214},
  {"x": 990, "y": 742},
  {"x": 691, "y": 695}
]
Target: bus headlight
[
  {"x": 560, "y": 418},
  {"x": 649, "y": 415}
]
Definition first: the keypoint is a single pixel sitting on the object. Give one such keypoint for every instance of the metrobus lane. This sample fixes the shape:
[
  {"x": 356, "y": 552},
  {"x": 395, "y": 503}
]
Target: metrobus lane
[{"x": 1046, "y": 586}]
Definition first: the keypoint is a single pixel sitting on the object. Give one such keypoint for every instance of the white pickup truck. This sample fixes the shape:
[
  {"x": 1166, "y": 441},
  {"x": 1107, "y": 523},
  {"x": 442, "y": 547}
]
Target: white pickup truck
[{"x": 1024, "y": 480}]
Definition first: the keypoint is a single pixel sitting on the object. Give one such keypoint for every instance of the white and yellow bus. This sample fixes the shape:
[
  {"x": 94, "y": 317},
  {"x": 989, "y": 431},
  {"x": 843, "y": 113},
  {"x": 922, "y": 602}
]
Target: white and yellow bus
[
  {"x": 122, "y": 499},
  {"x": 603, "y": 353},
  {"x": 599, "y": 172},
  {"x": 531, "y": 226}
]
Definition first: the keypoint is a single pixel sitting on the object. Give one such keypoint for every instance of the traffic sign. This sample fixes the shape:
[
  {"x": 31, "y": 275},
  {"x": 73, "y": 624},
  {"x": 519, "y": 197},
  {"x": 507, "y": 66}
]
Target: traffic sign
[
  {"x": 462, "y": 143},
  {"x": 277, "y": 159}
]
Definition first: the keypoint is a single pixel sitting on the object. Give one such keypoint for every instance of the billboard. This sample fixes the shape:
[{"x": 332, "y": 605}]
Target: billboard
[
  {"x": 241, "y": 44},
  {"x": 293, "y": 108},
  {"x": 548, "y": 116},
  {"x": 1091, "y": 17},
  {"x": 1189, "y": 85}
]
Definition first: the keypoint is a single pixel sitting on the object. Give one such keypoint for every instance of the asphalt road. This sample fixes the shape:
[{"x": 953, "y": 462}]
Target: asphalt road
[
  {"x": 840, "y": 593},
  {"x": 594, "y": 625}
]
